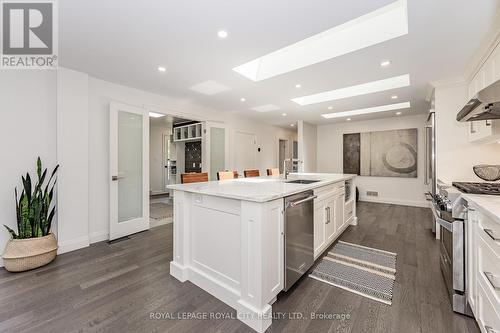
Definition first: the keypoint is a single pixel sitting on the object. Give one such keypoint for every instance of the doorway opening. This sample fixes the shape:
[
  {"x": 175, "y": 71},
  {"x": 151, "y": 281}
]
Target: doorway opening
[{"x": 174, "y": 148}]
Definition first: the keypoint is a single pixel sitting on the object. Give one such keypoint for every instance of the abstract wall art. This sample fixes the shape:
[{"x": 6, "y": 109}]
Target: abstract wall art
[{"x": 391, "y": 153}]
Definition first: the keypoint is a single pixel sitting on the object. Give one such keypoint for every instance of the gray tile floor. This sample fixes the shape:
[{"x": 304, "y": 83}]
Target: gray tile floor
[{"x": 118, "y": 287}]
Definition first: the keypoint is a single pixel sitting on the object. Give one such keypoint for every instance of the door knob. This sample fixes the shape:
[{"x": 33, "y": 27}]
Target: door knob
[{"x": 115, "y": 178}]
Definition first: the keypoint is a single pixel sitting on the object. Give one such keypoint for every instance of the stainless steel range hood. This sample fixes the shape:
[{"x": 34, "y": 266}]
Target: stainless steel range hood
[{"x": 484, "y": 106}]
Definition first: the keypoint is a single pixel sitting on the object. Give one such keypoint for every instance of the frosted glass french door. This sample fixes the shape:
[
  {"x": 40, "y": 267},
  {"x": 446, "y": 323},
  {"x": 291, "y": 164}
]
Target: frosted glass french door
[{"x": 129, "y": 170}]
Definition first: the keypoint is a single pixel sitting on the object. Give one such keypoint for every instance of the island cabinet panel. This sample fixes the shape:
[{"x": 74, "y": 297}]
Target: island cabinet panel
[
  {"x": 329, "y": 221},
  {"x": 232, "y": 249},
  {"x": 319, "y": 226},
  {"x": 213, "y": 232}
]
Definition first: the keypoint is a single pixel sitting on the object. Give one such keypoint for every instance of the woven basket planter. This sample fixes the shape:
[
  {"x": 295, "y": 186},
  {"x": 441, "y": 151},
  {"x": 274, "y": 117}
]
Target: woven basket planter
[{"x": 24, "y": 254}]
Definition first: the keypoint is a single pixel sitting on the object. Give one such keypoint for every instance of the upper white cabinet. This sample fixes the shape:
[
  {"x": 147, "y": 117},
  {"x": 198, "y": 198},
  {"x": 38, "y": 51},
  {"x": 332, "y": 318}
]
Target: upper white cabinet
[
  {"x": 190, "y": 132},
  {"x": 485, "y": 131}
]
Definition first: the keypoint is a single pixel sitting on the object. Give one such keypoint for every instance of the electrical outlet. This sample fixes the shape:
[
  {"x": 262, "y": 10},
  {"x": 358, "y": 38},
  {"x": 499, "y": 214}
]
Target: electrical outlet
[{"x": 372, "y": 193}]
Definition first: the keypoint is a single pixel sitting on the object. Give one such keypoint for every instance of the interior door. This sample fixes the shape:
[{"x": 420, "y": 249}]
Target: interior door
[
  {"x": 215, "y": 147},
  {"x": 129, "y": 170},
  {"x": 245, "y": 154}
]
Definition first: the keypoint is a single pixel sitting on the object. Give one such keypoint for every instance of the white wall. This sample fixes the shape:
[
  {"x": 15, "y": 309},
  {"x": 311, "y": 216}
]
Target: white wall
[
  {"x": 72, "y": 155},
  {"x": 308, "y": 137},
  {"x": 27, "y": 130},
  {"x": 455, "y": 154},
  {"x": 403, "y": 191},
  {"x": 157, "y": 129}
]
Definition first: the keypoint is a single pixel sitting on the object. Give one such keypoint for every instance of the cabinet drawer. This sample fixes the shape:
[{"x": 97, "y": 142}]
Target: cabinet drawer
[
  {"x": 326, "y": 191},
  {"x": 487, "y": 314},
  {"x": 489, "y": 231},
  {"x": 488, "y": 270}
]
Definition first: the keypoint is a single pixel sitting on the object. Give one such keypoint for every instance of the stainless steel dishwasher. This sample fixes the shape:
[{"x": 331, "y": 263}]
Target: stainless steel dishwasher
[{"x": 299, "y": 236}]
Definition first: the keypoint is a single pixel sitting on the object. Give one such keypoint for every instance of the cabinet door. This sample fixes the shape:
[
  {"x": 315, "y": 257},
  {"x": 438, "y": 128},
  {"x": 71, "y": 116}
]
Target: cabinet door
[
  {"x": 330, "y": 221},
  {"x": 471, "y": 258},
  {"x": 339, "y": 212},
  {"x": 319, "y": 226}
]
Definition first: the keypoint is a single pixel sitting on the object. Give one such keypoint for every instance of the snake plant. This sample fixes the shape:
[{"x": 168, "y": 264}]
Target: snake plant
[{"x": 34, "y": 209}]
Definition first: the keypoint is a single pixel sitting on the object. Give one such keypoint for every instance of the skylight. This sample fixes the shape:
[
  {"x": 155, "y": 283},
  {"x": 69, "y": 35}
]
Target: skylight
[
  {"x": 382, "y": 108},
  {"x": 357, "y": 90},
  {"x": 381, "y": 25}
]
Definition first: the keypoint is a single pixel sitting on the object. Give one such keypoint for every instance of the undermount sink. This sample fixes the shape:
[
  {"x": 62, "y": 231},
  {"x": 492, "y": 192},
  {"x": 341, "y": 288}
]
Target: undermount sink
[{"x": 302, "y": 181}]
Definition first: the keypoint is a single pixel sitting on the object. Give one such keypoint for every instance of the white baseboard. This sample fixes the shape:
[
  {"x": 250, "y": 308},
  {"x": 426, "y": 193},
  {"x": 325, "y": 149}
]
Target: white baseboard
[
  {"x": 402, "y": 202},
  {"x": 99, "y": 236},
  {"x": 73, "y": 244}
]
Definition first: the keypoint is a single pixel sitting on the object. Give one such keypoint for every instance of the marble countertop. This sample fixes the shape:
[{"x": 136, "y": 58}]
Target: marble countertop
[
  {"x": 261, "y": 189},
  {"x": 489, "y": 204}
]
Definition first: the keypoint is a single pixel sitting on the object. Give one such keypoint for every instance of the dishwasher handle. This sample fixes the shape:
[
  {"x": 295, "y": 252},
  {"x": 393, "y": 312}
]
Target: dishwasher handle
[{"x": 298, "y": 202}]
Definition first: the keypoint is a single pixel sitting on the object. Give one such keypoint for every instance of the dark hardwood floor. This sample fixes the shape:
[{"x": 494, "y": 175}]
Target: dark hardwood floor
[{"x": 119, "y": 287}]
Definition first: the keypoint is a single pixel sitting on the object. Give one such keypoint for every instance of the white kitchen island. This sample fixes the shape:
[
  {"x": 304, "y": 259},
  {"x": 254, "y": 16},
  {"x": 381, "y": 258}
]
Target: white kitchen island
[{"x": 228, "y": 236}]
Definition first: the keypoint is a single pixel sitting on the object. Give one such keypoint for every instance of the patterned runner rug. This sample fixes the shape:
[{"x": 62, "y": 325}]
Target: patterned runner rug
[{"x": 362, "y": 270}]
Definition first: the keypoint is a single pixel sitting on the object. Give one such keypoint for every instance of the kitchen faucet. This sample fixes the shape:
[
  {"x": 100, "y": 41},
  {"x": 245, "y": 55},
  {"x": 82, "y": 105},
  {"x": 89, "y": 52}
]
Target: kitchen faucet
[{"x": 285, "y": 171}]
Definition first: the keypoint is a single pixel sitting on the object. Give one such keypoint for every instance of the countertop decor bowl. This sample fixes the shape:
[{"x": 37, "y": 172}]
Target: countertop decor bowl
[{"x": 489, "y": 173}]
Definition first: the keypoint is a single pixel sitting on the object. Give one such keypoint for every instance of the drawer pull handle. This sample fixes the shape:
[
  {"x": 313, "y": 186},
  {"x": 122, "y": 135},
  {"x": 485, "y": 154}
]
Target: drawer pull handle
[
  {"x": 490, "y": 329},
  {"x": 491, "y": 279},
  {"x": 489, "y": 232}
]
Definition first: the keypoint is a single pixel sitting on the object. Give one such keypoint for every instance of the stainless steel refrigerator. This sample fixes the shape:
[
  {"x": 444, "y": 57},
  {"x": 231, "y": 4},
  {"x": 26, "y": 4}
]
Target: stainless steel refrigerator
[{"x": 430, "y": 159}]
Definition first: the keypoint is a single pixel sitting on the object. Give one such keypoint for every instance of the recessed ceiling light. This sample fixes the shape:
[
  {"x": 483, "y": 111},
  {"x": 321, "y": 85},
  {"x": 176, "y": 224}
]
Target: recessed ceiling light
[
  {"x": 360, "y": 89},
  {"x": 298, "y": 86},
  {"x": 161, "y": 69},
  {"x": 222, "y": 34},
  {"x": 156, "y": 115},
  {"x": 394, "y": 97},
  {"x": 243, "y": 99},
  {"x": 378, "y": 26},
  {"x": 375, "y": 109},
  {"x": 292, "y": 125},
  {"x": 385, "y": 63},
  {"x": 266, "y": 108},
  {"x": 284, "y": 114},
  {"x": 348, "y": 119},
  {"x": 398, "y": 113},
  {"x": 330, "y": 108}
]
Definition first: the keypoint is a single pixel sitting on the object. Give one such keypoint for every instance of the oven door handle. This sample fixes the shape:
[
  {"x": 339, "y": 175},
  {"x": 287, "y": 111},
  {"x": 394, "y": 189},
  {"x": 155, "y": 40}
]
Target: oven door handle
[{"x": 445, "y": 224}]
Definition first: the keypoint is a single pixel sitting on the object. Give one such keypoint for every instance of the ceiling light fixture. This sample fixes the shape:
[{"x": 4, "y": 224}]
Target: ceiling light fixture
[
  {"x": 398, "y": 113},
  {"x": 378, "y": 26},
  {"x": 161, "y": 69},
  {"x": 330, "y": 108},
  {"x": 357, "y": 90},
  {"x": 385, "y": 63},
  {"x": 394, "y": 97},
  {"x": 348, "y": 119},
  {"x": 292, "y": 125},
  {"x": 266, "y": 108},
  {"x": 156, "y": 115},
  {"x": 243, "y": 99},
  {"x": 284, "y": 114},
  {"x": 298, "y": 86},
  {"x": 222, "y": 34},
  {"x": 209, "y": 88},
  {"x": 375, "y": 109}
]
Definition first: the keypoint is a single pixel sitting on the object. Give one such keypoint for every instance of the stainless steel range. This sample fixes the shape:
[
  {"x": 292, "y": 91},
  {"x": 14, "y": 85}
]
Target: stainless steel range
[{"x": 450, "y": 212}]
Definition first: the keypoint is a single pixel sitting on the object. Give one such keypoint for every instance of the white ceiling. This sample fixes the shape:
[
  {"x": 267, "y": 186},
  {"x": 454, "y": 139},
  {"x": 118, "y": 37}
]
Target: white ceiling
[{"x": 125, "y": 41}]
